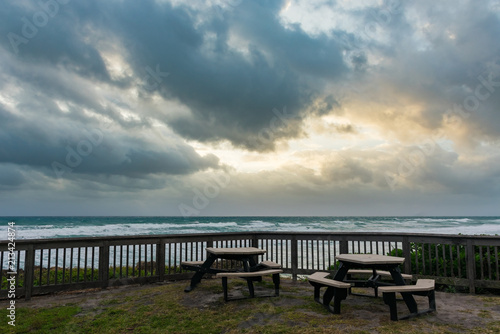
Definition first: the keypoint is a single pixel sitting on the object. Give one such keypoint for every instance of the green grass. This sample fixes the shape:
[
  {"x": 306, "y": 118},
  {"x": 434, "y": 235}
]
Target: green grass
[
  {"x": 51, "y": 320},
  {"x": 74, "y": 275}
]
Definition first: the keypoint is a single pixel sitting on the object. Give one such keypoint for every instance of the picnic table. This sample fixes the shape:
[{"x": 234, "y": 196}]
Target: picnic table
[
  {"x": 247, "y": 255},
  {"x": 375, "y": 262}
]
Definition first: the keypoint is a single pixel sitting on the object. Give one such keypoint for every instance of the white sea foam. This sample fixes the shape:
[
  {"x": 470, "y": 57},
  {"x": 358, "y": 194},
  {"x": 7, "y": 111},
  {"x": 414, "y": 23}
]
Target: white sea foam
[{"x": 34, "y": 228}]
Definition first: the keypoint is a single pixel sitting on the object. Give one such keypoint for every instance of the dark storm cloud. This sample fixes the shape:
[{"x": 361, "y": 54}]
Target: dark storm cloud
[
  {"x": 51, "y": 33},
  {"x": 10, "y": 177},
  {"x": 60, "y": 149},
  {"x": 231, "y": 94}
]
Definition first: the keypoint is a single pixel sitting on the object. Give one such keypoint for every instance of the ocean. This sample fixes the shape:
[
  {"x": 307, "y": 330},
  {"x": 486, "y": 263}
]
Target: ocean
[{"x": 67, "y": 227}]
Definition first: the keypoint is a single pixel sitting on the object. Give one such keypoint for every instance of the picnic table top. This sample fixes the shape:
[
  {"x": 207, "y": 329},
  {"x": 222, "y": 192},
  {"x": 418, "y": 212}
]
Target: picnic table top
[
  {"x": 236, "y": 251},
  {"x": 370, "y": 259}
]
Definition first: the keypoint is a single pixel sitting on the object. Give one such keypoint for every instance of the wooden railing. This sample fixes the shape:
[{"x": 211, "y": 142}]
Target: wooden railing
[{"x": 50, "y": 265}]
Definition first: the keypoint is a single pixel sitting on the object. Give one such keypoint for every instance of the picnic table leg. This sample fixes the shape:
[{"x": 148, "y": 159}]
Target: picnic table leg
[
  {"x": 432, "y": 300},
  {"x": 224, "y": 287},
  {"x": 340, "y": 294},
  {"x": 200, "y": 272},
  {"x": 250, "y": 264},
  {"x": 276, "y": 281},
  {"x": 407, "y": 297},
  {"x": 341, "y": 273},
  {"x": 328, "y": 296},
  {"x": 390, "y": 299},
  {"x": 317, "y": 289},
  {"x": 250, "y": 287}
]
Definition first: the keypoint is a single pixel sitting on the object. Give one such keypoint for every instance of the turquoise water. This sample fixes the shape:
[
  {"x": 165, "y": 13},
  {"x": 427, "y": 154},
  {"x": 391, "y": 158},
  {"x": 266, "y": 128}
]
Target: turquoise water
[{"x": 63, "y": 227}]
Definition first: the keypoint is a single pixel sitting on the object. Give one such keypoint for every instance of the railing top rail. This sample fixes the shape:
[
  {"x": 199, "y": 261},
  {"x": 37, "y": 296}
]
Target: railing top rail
[{"x": 246, "y": 235}]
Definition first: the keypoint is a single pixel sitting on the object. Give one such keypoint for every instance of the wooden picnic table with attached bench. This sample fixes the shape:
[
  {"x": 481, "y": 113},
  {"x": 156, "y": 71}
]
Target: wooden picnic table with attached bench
[
  {"x": 252, "y": 269},
  {"x": 375, "y": 266}
]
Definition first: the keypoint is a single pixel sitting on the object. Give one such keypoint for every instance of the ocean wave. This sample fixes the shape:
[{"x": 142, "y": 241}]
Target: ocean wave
[
  {"x": 439, "y": 220},
  {"x": 34, "y": 228}
]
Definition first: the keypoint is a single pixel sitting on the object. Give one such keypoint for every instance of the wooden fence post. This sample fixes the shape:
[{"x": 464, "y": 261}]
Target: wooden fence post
[
  {"x": 255, "y": 241},
  {"x": 343, "y": 246},
  {"x": 295, "y": 257},
  {"x": 29, "y": 269},
  {"x": 471, "y": 266},
  {"x": 160, "y": 259},
  {"x": 104, "y": 264},
  {"x": 407, "y": 254}
]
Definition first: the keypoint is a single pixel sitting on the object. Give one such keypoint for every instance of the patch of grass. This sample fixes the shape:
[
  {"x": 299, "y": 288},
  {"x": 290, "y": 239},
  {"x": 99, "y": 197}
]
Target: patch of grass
[
  {"x": 168, "y": 309},
  {"x": 40, "y": 320},
  {"x": 491, "y": 301},
  {"x": 484, "y": 314}
]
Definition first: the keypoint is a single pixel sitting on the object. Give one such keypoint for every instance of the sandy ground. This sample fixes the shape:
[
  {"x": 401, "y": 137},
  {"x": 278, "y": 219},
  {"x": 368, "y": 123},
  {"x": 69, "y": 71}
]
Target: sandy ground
[{"x": 463, "y": 310}]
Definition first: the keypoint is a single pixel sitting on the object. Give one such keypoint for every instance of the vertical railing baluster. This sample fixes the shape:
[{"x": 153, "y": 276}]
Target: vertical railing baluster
[
  {"x": 40, "y": 268},
  {"x": 317, "y": 254},
  {"x": 450, "y": 248},
  {"x": 78, "y": 265},
  {"x": 64, "y": 266},
  {"x": 497, "y": 264},
  {"x": 71, "y": 266},
  {"x": 114, "y": 261},
  {"x": 488, "y": 262},
  {"x": 139, "y": 261},
  {"x": 430, "y": 257},
  {"x": 121, "y": 260},
  {"x": 48, "y": 266},
  {"x": 444, "y": 259},
  {"x": 133, "y": 260},
  {"x": 459, "y": 262},
  {"x": 127, "y": 259},
  {"x": 170, "y": 258},
  {"x": 1, "y": 266},
  {"x": 330, "y": 253},
  {"x": 423, "y": 259},
  {"x": 153, "y": 258},
  {"x": 416, "y": 258},
  {"x": 57, "y": 266},
  {"x": 481, "y": 261},
  {"x": 437, "y": 258},
  {"x": 146, "y": 259},
  {"x": 93, "y": 260}
]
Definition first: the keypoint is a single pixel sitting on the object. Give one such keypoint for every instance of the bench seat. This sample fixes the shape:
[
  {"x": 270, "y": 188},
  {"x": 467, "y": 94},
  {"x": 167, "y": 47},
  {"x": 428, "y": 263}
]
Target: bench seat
[
  {"x": 321, "y": 278},
  {"x": 250, "y": 277},
  {"x": 370, "y": 272},
  {"x": 192, "y": 263},
  {"x": 335, "y": 290},
  {"x": 270, "y": 264},
  {"x": 423, "y": 287},
  {"x": 244, "y": 274}
]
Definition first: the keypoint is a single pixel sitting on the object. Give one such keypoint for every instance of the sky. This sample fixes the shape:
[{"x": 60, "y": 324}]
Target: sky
[{"x": 239, "y": 107}]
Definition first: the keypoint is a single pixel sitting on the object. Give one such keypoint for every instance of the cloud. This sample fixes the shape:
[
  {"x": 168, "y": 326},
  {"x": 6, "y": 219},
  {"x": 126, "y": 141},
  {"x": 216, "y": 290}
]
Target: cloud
[{"x": 124, "y": 97}]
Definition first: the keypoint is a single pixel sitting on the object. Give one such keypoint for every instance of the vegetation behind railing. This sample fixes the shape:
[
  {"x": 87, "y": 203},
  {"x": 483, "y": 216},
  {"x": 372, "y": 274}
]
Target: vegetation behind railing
[{"x": 49, "y": 265}]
